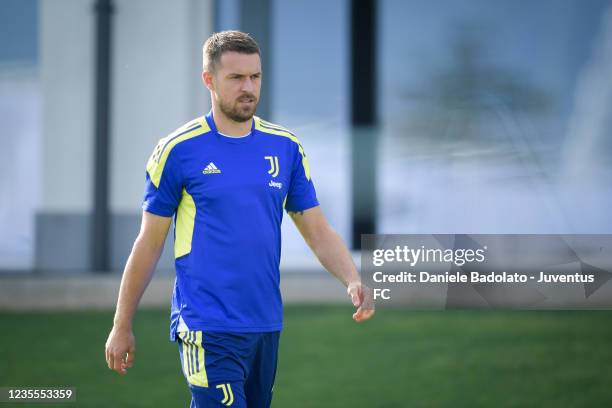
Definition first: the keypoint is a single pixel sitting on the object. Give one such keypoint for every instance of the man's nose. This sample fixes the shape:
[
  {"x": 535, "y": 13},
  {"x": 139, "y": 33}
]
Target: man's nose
[{"x": 248, "y": 85}]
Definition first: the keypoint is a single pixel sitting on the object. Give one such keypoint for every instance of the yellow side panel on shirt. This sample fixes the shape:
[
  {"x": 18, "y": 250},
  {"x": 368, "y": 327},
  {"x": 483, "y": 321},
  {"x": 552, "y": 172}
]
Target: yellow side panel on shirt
[
  {"x": 266, "y": 127},
  {"x": 185, "y": 220},
  {"x": 157, "y": 161},
  {"x": 193, "y": 358}
]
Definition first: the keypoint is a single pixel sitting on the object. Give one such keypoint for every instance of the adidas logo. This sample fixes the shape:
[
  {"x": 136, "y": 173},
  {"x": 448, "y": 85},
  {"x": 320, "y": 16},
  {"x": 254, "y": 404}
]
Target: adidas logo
[{"x": 211, "y": 169}]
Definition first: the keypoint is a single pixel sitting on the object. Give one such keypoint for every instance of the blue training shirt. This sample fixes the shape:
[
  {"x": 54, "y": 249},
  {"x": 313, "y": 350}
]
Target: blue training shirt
[{"x": 227, "y": 197}]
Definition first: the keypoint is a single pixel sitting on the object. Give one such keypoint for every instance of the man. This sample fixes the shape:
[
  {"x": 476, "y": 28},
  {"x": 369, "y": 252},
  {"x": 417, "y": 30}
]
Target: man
[{"x": 226, "y": 178}]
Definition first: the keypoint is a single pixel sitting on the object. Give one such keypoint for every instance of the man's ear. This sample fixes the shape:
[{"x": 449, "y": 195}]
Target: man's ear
[{"x": 207, "y": 78}]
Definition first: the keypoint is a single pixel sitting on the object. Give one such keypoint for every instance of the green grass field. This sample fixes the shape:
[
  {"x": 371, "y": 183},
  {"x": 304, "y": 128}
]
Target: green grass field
[{"x": 399, "y": 359}]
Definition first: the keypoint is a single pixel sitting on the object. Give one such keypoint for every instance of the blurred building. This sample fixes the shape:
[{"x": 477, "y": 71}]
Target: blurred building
[{"x": 494, "y": 116}]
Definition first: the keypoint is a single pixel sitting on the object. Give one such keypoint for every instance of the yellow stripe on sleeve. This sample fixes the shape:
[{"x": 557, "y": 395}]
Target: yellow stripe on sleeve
[{"x": 157, "y": 161}]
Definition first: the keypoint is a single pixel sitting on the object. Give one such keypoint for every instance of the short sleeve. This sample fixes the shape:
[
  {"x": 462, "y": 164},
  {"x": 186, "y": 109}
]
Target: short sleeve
[
  {"x": 163, "y": 183},
  {"x": 301, "y": 195}
]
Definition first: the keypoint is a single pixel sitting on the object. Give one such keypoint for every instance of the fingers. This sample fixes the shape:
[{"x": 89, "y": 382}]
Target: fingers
[
  {"x": 117, "y": 362},
  {"x": 366, "y": 307},
  {"x": 120, "y": 353},
  {"x": 354, "y": 291},
  {"x": 130, "y": 359},
  {"x": 108, "y": 358},
  {"x": 363, "y": 314},
  {"x": 355, "y": 298}
]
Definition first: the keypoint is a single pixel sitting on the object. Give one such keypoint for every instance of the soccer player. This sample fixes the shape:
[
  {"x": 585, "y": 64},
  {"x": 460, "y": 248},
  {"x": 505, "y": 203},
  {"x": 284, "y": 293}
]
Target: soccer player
[{"x": 226, "y": 178}]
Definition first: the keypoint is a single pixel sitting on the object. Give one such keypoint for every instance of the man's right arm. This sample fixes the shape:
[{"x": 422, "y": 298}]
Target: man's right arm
[{"x": 120, "y": 346}]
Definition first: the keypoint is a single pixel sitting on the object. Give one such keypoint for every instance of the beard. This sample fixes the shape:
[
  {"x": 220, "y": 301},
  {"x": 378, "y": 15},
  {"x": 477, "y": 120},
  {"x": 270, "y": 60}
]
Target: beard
[{"x": 239, "y": 111}]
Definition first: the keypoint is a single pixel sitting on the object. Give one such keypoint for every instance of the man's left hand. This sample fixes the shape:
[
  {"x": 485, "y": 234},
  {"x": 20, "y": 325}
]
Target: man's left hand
[{"x": 362, "y": 299}]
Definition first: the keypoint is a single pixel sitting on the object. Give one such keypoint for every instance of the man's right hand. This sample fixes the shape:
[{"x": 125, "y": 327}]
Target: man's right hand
[
  {"x": 120, "y": 346},
  {"x": 120, "y": 349}
]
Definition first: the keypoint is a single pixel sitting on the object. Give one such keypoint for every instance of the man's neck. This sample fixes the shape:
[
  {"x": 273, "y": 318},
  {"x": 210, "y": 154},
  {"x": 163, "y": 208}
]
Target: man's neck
[{"x": 229, "y": 127}]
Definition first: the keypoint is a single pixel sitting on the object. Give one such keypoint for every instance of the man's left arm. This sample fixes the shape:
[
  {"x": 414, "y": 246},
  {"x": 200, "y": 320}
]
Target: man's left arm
[{"x": 335, "y": 257}]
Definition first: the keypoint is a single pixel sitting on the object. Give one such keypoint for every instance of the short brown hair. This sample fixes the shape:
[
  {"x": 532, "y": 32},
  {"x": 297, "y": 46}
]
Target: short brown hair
[{"x": 224, "y": 41}]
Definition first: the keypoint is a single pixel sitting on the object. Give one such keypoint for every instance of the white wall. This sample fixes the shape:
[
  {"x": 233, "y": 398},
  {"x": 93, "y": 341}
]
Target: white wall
[
  {"x": 20, "y": 165},
  {"x": 157, "y": 51},
  {"x": 156, "y": 87},
  {"x": 67, "y": 79},
  {"x": 155, "y": 71},
  {"x": 310, "y": 77}
]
